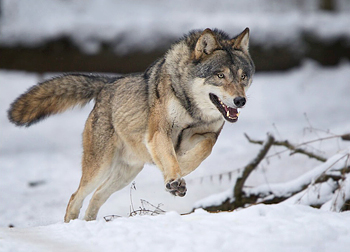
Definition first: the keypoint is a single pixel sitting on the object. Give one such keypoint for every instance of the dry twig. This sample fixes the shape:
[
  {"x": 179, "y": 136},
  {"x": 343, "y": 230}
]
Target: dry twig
[{"x": 146, "y": 208}]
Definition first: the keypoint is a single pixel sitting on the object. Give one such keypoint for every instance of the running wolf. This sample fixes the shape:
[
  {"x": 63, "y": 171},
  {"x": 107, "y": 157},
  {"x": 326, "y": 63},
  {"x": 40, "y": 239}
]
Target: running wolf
[{"x": 171, "y": 115}]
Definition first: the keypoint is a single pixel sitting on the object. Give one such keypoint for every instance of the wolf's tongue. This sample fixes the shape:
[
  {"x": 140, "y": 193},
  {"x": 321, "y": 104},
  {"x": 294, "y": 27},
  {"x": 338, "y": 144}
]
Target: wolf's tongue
[{"x": 231, "y": 112}]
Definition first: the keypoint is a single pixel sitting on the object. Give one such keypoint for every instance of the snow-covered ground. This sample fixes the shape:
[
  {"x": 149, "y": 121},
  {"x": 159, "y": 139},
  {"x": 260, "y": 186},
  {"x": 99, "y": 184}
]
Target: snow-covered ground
[
  {"x": 48, "y": 155},
  {"x": 257, "y": 228}
]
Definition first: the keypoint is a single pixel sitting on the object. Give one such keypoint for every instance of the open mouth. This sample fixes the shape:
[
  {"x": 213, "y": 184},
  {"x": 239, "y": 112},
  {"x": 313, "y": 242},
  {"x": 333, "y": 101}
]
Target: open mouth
[{"x": 230, "y": 114}]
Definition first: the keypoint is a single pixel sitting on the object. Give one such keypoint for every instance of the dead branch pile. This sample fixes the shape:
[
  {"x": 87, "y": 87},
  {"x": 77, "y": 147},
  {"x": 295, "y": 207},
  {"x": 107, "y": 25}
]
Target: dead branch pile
[{"x": 327, "y": 186}]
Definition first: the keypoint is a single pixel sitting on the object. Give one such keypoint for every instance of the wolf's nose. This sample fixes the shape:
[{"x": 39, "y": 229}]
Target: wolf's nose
[{"x": 239, "y": 101}]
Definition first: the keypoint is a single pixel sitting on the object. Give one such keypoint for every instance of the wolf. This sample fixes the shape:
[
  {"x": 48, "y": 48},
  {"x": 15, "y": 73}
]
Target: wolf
[{"x": 170, "y": 115}]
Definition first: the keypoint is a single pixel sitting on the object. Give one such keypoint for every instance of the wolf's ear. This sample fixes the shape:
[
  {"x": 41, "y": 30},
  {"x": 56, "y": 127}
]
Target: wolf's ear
[
  {"x": 206, "y": 44},
  {"x": 242, "y": 41}
]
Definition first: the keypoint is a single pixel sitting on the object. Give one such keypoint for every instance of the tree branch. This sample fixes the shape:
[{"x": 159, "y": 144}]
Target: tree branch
[
  {"x": 238, "y": 189},
  {"x": 291, "y": 147}
]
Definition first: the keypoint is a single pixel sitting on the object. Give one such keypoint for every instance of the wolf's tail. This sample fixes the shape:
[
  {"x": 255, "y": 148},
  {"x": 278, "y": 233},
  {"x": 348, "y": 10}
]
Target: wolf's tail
[{"x": 55, "y": 96}]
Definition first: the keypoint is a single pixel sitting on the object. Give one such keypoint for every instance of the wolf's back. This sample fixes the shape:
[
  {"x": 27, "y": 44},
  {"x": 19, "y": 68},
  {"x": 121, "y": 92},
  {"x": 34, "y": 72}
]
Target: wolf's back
[{"x": 55, "y": 96}]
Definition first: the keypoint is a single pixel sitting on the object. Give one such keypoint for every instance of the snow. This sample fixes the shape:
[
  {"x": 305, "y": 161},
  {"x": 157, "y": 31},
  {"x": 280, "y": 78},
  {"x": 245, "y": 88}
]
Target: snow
[
  {"x": 336, "y": 202},
  {"x": 261, "y": 227},
  {"x": 146, "y": 25},
  {"x": 49, "y": 154},
  {"x": 335, "y": 163}
]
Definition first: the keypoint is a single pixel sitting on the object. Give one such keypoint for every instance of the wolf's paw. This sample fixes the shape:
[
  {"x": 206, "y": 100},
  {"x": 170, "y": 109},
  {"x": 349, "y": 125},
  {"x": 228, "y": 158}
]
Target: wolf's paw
[{"x": 177, "y": 187}]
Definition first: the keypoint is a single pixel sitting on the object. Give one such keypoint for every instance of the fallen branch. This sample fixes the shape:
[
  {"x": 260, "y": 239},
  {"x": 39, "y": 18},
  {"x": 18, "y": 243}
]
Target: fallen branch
[{"x": 333, "y": 174}]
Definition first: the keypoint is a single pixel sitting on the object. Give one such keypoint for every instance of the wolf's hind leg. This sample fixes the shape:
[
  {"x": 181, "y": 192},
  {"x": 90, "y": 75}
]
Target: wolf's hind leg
[
  {"x": 120, "y": 177},
  {"x": 95, "y": 172},
  {"x": 76, "y": 201},
  {"x": 99, "y": 143}
]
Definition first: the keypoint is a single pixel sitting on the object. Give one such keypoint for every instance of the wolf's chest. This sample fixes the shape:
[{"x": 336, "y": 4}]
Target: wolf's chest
[{"x": 178, "y": 116}]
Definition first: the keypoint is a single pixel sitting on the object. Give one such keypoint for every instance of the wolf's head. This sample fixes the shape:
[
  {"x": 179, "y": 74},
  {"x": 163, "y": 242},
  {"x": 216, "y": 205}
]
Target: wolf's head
[{"x": 221, "y": 71}]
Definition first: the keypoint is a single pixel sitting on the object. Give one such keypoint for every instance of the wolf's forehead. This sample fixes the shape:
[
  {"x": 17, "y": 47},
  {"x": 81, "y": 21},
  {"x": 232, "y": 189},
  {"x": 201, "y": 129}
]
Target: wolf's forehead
[
  {"x": 225, "y": 59},
  {"x": 240, "y": 60},
  {"x": 213, "y": 64},
  {"x": 219, "y": 59}
]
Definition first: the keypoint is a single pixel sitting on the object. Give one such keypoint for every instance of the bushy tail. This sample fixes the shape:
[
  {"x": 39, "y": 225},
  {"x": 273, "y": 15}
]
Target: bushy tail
[{"x": 55, "y": 96}]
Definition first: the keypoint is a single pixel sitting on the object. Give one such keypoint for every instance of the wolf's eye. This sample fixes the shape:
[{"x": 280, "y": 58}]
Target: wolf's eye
[
  {"x": 243, "y": 76},
  {"x": 221, "y": 75}
]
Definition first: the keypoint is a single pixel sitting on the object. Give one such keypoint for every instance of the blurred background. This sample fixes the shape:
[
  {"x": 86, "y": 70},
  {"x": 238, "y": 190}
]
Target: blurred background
[
  {"x": 300, "y": 92},
  {"x": 126, "y": 36}
]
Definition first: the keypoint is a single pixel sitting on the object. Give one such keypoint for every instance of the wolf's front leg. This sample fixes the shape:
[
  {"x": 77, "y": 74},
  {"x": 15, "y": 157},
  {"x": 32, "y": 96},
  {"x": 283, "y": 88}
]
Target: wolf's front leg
[
  {"x": 194, "y": 149},
  {"x": 163, "y": 154},
  {"x": 200, "y": 146}
]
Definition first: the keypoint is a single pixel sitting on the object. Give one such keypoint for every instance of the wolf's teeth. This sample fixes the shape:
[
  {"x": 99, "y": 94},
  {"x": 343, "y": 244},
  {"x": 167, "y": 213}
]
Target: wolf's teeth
[{"x": 227, "y": 113}]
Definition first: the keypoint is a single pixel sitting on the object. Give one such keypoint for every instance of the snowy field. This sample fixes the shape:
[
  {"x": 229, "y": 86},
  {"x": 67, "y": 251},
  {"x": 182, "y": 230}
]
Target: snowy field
[
  {"x": 40, "y": 169},
  {"x": 40, "y": 165},
  {"x": 258, "y": 228}
]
